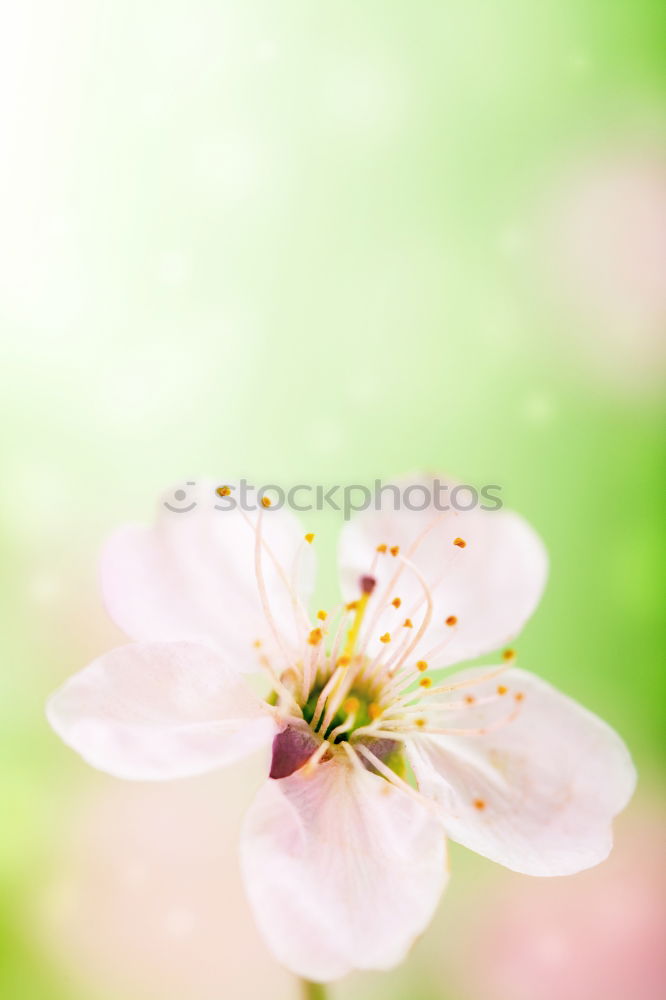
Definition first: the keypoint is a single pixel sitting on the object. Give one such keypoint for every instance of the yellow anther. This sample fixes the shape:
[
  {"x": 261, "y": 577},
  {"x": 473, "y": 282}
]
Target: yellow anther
[
  {"x": 381, "y": 548},
  {"x": 374, "y": 710},
  {"x": 344, "y": 661},
  {"x": 425, "y": 682},
  {"x": 266, "y": 502},
  {"x": 451, "y": 620},
  {"x": 352, "y": 606},
  {"x": 396, "y": 602},
  {"x": 351, "y": 705},
  {"x": 394, "y": 550},
  {"x": 309, "y": 538},
  {"x": 315, "y": 637},
  {"x": 223, "y": 491},
  {"x": 257, "y": 643},
  {"x": 469, "y": 699},
  {"x": 420, "y": 723},
  {"x": 460, "y": 542},
  {"x": 479, "y": 804},
  {"x": 386, "y": 637},
  {"x": 421, "y": 665},
  {"x": 501, "y": 689},
  {"x": 519, "y": 696},
  {"x": 408, "y": 623},
  {"x": 509, "y": 654},
  {"x": 322, "y": 615}
]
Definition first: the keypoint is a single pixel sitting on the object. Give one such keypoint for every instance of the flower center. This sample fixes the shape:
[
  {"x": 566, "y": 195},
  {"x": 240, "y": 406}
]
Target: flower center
[{"x": 355, "y": 710}]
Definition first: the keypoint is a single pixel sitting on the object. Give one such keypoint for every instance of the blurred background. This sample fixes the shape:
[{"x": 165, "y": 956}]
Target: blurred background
[{"x": 326, "y": 242}]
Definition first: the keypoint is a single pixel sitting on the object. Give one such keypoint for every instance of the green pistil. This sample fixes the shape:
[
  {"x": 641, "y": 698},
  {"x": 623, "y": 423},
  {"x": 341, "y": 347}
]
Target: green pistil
[{"x": 363, "y": 717}]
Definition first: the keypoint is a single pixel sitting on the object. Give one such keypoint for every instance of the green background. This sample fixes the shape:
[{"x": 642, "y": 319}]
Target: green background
[{"x": 309, "y": 242}]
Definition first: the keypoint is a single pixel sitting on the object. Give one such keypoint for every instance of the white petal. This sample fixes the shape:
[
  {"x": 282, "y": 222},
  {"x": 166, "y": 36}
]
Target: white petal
[
  {"x": 192, "y": 576},
  {"x": 536, "y": 794},
  {"x": 159, "y": 710},
  {"x": 343, "y": 870},
  {"x": 491, "y": 586}
]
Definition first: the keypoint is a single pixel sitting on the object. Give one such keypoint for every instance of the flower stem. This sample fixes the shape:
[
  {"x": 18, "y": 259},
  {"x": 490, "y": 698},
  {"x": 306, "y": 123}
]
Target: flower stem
[{"x": 313, "y": 991}]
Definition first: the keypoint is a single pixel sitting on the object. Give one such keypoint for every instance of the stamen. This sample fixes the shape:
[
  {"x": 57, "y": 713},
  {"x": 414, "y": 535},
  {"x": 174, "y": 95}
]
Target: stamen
[
  {"x": 394, "y": 550},
  {"x": 345, "y": 726},
  {"x": 263, "y": 593},
  {"x": 337, "y": 640},
  {"x": 445, "y": 688},
  {"x": 311, "y": 668},
  {"x": 223, "y": 491},
  {"x": 300, "y": 613},
  {"x": 353, "y": 757},
  {"x": 479, "y": 804},
  {"x": 460, "y": 542},
  {"x": 408, "y": 623},
  {"x": 323, "y": 696},
  {"x": 390, "y": 588},
  {"x": 509, "y": 654},
  {"x": 337, "y": 696},
  {"x": 396, "y": 602},
  {"x": 375, "y": 666},
  {"x": 322, "y": 615},
  {"x": 405, "y": 709},
  {"x": 309, "y": 538},
  {"x": 312, "y": 762},
  {"x": 390, "y": 775},
  {"x": 385, "y": 638},
  {"x": 266, "y": 502},
  {"x": 477, "y": 731},
  {"x": 402, "y": 657},
  {"x": 451, "y": 621}
]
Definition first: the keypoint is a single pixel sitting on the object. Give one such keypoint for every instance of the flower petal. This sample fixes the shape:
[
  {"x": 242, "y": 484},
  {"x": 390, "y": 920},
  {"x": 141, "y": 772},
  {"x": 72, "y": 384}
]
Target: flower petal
[
  {"x": 486, "y": 589},
  {"x": 537, "y": 793},
  {"x": 159, "y": 710},
  {"x": 343, "y": 870},
  {"x": 191, "y": 576}
]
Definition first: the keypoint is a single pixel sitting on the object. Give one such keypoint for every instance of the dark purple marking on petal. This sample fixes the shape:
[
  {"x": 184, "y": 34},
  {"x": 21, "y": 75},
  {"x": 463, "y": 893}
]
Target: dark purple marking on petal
[
  {"x": 387, "y": 750},
  {"x": 291, "y": 749}
]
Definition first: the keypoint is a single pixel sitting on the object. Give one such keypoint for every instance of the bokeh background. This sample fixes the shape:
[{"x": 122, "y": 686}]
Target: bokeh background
[{"x": 326, "y": 242}]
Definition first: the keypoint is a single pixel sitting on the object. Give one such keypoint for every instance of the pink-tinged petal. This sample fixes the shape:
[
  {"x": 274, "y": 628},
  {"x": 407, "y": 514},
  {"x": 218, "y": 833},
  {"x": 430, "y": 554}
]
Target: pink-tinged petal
[
  {"x": 152, "y": 711},
  {"x": 343, "y": 870},
  {"x": 191, "y": 576},
  {"x": 538, "y": 790},
  {"x": 486, "y": 588}
]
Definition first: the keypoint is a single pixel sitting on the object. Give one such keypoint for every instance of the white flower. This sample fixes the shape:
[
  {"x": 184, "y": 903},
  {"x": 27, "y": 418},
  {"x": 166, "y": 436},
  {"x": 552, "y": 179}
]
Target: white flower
[{"x": 343, "y": 855}]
